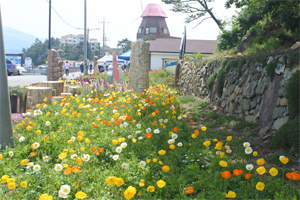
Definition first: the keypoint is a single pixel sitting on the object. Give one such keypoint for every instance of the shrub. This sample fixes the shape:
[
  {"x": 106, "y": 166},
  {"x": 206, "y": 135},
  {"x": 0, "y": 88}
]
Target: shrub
[
  {"x": 271, "y": 69},
  {"x": 220, "y": 80},
  {"x": 292, "y": 94},
  {"x": 210, "y": 81},
  {"x": 287, "y": 136}
]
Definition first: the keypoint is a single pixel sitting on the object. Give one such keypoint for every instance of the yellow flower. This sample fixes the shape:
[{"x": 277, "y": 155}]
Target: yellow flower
[
  {"x": 194, "y": 135},
  {"x": 166, "y": 168},
  {"x": 115, "y": 142},
  {"x": 87, "y": 140},
  {"x": 273, "y": 171},
  {"x": 203, "y": 128},
  {"x": 111, "y": 180},
  {"x": 28, "y": 128},
  {"x": 65, "y": 165},
  {"x": 62, "y": 155},
  {"x": 172, "y": 146},
  {"x": 4, "y": 178},
  {"x": 284, "y": 160},
  {"x": 229, "y": 138},
  {"x": 150, "y": 189},
  {"x": 79, "y": 160},
  {"x": 23, "y": 184},
  {"x": 206, "y": 143},
  {"x": 261, "y": 170},
  {"x": 142, "y": 183},
  {"x": 160, "y": 162},
  {"x": 45, "y": 197},
  {"x": 79, "y": 138},
  {"x": 11, "y": 180},
  {"x": 1, "y": 156},
  {"x": 260, "y": 186},
  {"x": 148, "y": 161},
  {"x": 129, "y": 193},
  {"x": 222, "y": 155},
  {"x": 223, "y": 163},
  {"x": 133, "y": 140},
  {"x": 38, "y": 132},
  {"x": 255, "y": 153},
  {"x": 119, "y": 182},
  {"x": 161, "y": 183},
  {"x": 162, "y": 152},
  {"x": 80, "y": 195},
  {"x": 72, "y": 151},
  {"x": 154, "y": 160},
  {"x": 82, "y": 149},
  {"x": 24, "y": 162},
  {"x": 260, "y": 161},
  {"x": 231, "y": 195}
]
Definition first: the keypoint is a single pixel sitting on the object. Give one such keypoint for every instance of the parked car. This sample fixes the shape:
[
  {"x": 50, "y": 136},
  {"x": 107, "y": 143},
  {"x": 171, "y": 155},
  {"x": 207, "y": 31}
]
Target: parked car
[
  {"x": 11, "y": 68},
  {"x": 42, "y": 66},
  {"x": 22, "y": 70}
]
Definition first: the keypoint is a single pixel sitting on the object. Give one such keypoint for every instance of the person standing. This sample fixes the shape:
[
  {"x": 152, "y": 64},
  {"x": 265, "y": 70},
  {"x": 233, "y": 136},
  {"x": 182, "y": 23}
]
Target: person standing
[
  {"x": 91, "y": 67},
  {"x": 81, "y": 67},
  {"x": 67, "y": 67}
]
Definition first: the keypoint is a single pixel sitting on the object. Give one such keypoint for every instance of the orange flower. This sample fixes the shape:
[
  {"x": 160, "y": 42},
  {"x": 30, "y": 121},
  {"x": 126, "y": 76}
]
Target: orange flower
[
  {"x": 95, "y": 125},
  {"x": 226, "y": 174},
  {"x": 128, "y": 118},
  {"x": 109, "y": 123},
  {"x": 157, "y": 112},
  {"x": 133, "y": 121},
  {"x": 191, "y": 121},
  {"x": 97, "y": 153},
  {"x": 118, "y": 121},
  {"x": 68, "y": 171},
  {"x": 76, "y": 169},
  {"x": 293, "y": 176},
  {"x": 175, "y": 129},
  {"x": 247, "y": 176},
  {"x": 104, "y": 122},
  {"x": 155, "y": 122},
  {"x": 93, "y": 149},
  {"x": 196, "y": 132},
  {"x": 32, "y": 154},
  {"x": 148, "y": 135},
  {"x": 46, "y": 137},
  {"x": 100, "y": 150},
  {"x": 189, "y": 190},
  {"x": 237, "y": 172}
]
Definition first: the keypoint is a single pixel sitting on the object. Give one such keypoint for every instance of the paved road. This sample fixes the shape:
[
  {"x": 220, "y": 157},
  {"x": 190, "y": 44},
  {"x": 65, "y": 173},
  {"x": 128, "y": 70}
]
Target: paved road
[{"x": 27, "y": 80}]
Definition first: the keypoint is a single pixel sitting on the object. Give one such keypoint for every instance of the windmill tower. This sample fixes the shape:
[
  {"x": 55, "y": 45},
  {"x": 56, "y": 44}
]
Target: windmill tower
[{"x": 153, "y": 22}]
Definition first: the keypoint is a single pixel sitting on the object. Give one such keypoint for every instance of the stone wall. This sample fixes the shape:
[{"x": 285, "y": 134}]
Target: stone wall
[
  {"x": 248, "y": 92},
  {"x": 55, "y": 65}
]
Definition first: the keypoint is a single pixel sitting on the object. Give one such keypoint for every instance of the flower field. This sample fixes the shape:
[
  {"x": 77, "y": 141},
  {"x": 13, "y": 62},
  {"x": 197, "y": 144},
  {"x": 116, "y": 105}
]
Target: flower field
[{"x": 113, "y": 143}]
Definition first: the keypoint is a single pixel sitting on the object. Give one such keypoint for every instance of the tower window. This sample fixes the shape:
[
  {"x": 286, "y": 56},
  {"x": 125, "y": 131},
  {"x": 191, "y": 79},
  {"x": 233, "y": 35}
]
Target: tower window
[
  {"x": 153, "y": 30},
  {"x": 140, "y": 30},
  {"x": 147, "y": 31},
  {"x": 165, "y": 31}
]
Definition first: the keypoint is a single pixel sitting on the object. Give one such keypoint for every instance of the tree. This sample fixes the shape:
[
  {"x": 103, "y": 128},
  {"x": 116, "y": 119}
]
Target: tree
[
  {"x": 149, "y": 37},
  {"x": 125, "y": 44},
  {"x": 196, "y": 9}
]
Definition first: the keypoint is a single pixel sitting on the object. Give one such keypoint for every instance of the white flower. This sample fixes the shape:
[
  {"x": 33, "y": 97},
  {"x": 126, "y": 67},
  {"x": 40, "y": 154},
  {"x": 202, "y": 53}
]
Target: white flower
[
  {"x": 218, "y": 153},
  {"x": 65, "y": 189},
  {"x": 171, "y": 141},
  {"x": 35, "y": 145},
  {"x": 73, "y": 156},
  {"x": 280, "y": 158},
  {"x": 112, "y": 119},
  {"x": 36, "y": 168},
  {"x": 48, "y": 123},
  {"x": 21, "y": 139},
  {"x": 115, "y": 111},
  {"x": 138, "y": 126},
  {"x": 228, "y": 151},
  {"x": 246, "y": 144},
  {"x": 179, "y": 117},
  {"x": 125, "y": 124},
  {"x": 184, "y": 116},
  {"x": 58, "y": 167},
  {"x": 156, "y": 131},
  {"x": 125, "y": 165},
  {"x": 161, "y": 120},
  {"x": 121, "y": 125},
  {"x": 142, "y": 163},
  {"x": 116, "y": 157},
  {"x": 10, "y": 153},
  {"x": 118, "y": 149},
  {"x": 140, "y": 138},
  {"x": 248, "y": 150},
  {"x": 249, "y": 167},
  {"x": 129, "y": 136},
  {"x": 179, "y": 144},
  {"x": 137, "y": 132},
  {"x": 86, "y": 157},
  {"x": 148, "y": 130},
  {"x": 123, "y": 145},
  {"x": 56, "y": 113},
  {"x": 166, "y": 121},
  {"x": 62, "y": 195},
  {"x": 29, "y": 165},
  {"x": 46, "y": 158},
  {"x": 73, "y": 138},
  {"x": 94, "y": 109},
  {"x": 174, "y": 136}
]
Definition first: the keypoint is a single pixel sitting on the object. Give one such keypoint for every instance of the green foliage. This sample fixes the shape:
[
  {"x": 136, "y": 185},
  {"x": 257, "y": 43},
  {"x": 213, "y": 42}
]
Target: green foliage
[
  {"x": 292, "y": 94},
  {"x": 19, "y": 91},
  {"x": 271, "y": 69},
  {"x": 210, "y": 81},
  {"x": 258, "y": 45},
  {"x": 242, "y": 125},
  {"x": 186, "y": 99},
  {"x": 287, "y": 136},
  {"x": 220, "y": 80},
  {"x": 161, "y": 77},
  {"x": 149, "y": 37},
  {"x": 229, "y": 39},
  {"x": 125, "y": 44}
]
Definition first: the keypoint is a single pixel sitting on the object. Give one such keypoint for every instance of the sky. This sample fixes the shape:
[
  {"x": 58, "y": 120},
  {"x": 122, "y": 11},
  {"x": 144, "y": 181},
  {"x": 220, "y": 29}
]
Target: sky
[{"x": 122, "y": 18}]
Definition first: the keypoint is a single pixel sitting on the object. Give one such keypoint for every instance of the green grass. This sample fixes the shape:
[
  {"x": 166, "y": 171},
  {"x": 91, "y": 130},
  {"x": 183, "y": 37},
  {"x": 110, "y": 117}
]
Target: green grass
[{"x": 187, "y": 99}]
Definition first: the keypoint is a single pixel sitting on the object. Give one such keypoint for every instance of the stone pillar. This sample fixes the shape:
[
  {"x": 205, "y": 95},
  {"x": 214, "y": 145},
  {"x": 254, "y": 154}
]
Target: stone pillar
[
  {"x": 57, "y": 85},
  {"x": 95, "y": 64},
  {"x": 139, "y": 66},
  {"x": 55, "y": 65},
  {"x": 36, "y": 95}
]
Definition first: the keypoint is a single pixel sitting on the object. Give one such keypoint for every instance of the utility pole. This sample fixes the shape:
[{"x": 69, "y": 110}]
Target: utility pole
[
  {"x": 6, "y": 128},
  {"x": 104, "y": 38},
  {"x": 49, "y": 45},
  {"x": 85, "y": 41}
]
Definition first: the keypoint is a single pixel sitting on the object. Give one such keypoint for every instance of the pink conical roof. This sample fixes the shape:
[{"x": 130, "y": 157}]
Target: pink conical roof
[{"x": 153, "y": 10}]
